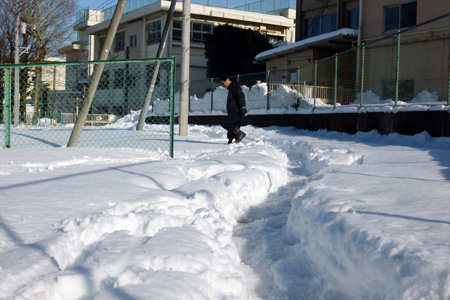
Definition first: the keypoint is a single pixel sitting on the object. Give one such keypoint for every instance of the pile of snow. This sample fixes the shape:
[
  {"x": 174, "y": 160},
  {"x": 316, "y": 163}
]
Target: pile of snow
[
  {"x": 426, "y": 97},
  {"x": 281, "y": 100},
  {"x": 286, "y": 100},
  {"x": 129, "y": 120},
  {"x": 370, "y": 98}
]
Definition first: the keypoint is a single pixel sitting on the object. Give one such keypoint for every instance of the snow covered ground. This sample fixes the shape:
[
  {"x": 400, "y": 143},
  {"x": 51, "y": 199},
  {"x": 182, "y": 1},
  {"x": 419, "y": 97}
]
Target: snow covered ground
[{"x": 285, "y": 214}]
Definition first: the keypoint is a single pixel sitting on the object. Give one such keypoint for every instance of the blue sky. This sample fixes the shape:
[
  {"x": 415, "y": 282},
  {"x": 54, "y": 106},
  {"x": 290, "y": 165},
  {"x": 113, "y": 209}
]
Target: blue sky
[{"x": 93, "y": 3}]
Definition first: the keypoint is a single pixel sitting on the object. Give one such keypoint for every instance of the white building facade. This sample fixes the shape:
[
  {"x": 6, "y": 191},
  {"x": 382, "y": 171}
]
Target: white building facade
[{"x": 141, "y": 27}]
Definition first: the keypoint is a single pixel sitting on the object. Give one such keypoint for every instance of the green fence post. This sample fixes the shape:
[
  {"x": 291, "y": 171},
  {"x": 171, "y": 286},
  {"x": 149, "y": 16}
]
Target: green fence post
[
  {"x": 189, "y": 93},
  {"x": 172, "y": 104},
  {"x": 268, "y": 90},
  {"x": 397, "y": 72},
  {"x": 448, "y": 101},
  {"x": 315, "y": 83},
  {"x": 7, "y": 108},
  {"x": 363, "y": 55},
  {"x": 212, "y": 91},
  {"x": 237, "y": 79},
  {"x": 335, "y": 79},
  {"x": 298, "y": 87}
]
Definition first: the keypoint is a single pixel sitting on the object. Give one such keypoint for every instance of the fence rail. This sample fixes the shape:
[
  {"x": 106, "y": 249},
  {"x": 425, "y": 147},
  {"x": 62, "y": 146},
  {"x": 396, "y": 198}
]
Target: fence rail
[{"x": 41, "y": 110}]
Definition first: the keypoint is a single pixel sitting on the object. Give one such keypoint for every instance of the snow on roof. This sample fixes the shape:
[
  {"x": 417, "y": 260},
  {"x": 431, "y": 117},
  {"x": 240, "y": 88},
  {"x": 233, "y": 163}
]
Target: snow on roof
[{"x": 303, "y": 43}]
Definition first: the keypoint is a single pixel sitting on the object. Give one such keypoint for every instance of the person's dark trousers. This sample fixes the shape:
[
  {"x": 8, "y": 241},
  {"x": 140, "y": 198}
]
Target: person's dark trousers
[{"x": 233, "y": 121}]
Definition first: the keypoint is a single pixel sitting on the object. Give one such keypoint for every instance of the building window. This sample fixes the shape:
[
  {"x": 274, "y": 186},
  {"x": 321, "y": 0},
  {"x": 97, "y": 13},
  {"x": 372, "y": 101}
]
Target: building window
[
  {"x": 319, "y": 25},
  {"x": 104, "y": 81},
  {"x": 101, "y": 42},
  {"x": 154, "y": 32},
  {"x": 405, "y": 89},
  {"x": 133, "y": 39},
  {"x": 274, "y": 40},
  {"x": 198, "y": 31},
  {"x": 119, "y": 78},
  {"x": 352, "y": 18},
  {"x": 149, "y": 71},
  {"x": 176, "y": 30},
  {"x": 311, "y": 27},
  {"x": 400, "y": 16},
  {"x": 119, "y": 41}
]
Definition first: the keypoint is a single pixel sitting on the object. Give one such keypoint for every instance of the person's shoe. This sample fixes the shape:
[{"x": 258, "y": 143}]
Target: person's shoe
[
  {"x": 239, "y": 135},
  {"x": 230, "y": 137}
]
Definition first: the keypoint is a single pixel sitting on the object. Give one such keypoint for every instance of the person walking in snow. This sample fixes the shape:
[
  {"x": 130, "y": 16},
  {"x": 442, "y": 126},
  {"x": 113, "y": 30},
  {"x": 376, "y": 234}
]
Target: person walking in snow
[{"x": 235, "y": 108}]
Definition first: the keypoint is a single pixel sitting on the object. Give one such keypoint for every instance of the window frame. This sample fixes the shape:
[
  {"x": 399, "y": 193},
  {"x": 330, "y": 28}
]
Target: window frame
[
  {"x": 104, "y": 80},
  {"x": 101, "y": 42},
  {"x": 399, "y": 20},
  {"x": 119, "y": 78},
  {"x": 132, "y": 41},
  {"x": 153, "y": 33},
  {"x": 406, "y": 89},
  {"x": 349, "y": 16},
  {"x": 197, "y": 35},
  {"x": 119, "y": 44},
  {"x": 320, "y": 29}
]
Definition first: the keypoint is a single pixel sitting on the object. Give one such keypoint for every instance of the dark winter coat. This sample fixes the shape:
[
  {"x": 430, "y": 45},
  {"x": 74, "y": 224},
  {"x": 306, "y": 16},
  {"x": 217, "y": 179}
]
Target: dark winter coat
[{"x": 235, "y": 100}]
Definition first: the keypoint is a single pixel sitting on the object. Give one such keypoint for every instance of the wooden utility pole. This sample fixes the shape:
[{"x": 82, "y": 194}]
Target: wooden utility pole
[
  {"x": 162, "y": 45},
  {"x": 17, "y": 70},
  {"x": 76, "y": 132},
  {"x": 185, "y": 61}
]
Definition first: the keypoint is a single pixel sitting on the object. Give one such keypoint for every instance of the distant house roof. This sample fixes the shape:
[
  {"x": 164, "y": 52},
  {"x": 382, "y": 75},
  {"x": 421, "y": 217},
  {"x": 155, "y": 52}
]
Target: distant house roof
[{"x": 336, "y": 40}]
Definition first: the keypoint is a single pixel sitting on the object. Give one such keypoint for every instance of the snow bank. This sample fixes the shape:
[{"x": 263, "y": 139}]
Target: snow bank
[
  {"x": 285, "y": 100},
  {"x": 365, "y": 223},
  {"x": 137, "y": 228},
  {"x": 281, "y": 100}
]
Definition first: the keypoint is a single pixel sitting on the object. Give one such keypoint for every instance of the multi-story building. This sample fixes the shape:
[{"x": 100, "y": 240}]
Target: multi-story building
[
  {"x": 139, "y": 34},
  {"x": 141, "y": 27},
  {"x": 326, "y": 27}
]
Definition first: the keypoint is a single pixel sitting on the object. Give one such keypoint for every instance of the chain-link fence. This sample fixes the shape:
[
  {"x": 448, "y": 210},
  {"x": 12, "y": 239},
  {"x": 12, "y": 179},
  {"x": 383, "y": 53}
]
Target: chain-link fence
[
  {"x": 406, "y": 68},
  {"x": 50, "y": 96}
]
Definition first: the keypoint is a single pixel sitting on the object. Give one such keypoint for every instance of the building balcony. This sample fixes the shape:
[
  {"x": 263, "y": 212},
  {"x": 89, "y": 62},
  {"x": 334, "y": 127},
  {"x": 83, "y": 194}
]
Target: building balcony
[{"x": 89, "y": 16}]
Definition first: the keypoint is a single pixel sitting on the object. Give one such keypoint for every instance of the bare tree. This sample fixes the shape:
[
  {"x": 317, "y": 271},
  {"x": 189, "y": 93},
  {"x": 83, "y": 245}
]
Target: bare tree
[
  {"x": 8, "y": 12},
  {"x": 49, "y": 26}
]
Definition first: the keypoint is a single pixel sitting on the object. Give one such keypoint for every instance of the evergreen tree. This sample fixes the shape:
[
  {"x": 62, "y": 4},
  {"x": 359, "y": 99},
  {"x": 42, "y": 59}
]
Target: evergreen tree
[{"x": 231, "y": 50}]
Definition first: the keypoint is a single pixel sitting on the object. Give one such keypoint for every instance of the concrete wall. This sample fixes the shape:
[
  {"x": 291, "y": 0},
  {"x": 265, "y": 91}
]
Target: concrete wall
[{"x": 436, "y": 123}]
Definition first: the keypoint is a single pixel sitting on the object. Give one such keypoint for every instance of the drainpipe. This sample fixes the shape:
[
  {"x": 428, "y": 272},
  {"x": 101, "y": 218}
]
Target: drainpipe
[
  {"x": 144, "y": 50},
  {"x": 340, "y": 13},
  {"x": 299, "y": 21},
  {"x": 360, "y": 23}
]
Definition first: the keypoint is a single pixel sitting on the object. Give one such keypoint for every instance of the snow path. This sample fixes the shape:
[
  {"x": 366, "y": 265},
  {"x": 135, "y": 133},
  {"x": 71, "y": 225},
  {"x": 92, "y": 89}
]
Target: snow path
[
  {"x": 275, "y": 255},
  {"x": 351, "y": 223}
]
